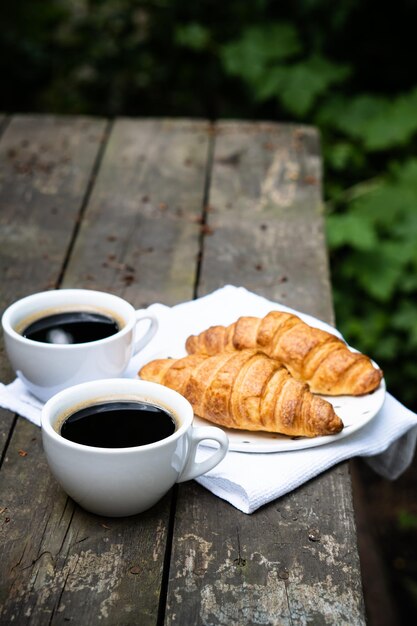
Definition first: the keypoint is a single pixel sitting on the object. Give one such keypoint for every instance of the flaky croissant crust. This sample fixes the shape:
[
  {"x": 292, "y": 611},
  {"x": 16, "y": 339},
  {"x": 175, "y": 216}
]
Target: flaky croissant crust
[
  {"x": 312, "y": 355},
  {"x": 246, "y": 390}
]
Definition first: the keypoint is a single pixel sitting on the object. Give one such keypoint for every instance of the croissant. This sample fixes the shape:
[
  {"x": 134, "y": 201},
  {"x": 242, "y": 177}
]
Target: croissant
[
  {"x": 246, "y": 390},
  {"x": 313, "y": 356}
]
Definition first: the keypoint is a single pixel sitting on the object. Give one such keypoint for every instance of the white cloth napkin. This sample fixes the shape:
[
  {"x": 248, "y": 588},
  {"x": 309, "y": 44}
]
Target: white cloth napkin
[{"x": 249, "y": 480}]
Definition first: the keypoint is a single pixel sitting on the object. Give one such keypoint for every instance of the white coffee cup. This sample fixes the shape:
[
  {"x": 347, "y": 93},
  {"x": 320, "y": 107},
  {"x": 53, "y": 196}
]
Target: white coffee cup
[
  {"x": 125, "y": 481},
  {"x": 46, "y": 368}
]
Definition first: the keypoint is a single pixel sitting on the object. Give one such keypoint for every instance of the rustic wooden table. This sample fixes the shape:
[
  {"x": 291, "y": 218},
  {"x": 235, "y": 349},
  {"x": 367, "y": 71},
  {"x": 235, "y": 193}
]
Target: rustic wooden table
[{"x": 166, "y": 211}]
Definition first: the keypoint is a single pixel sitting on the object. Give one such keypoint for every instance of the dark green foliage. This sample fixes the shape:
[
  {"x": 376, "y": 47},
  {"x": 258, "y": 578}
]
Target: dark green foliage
[{"x": 347, "y": 67}]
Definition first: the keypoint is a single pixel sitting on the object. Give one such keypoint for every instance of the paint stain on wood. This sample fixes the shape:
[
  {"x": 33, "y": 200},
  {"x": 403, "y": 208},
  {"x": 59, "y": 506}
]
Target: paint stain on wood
[{"x": 87, "y": 570}]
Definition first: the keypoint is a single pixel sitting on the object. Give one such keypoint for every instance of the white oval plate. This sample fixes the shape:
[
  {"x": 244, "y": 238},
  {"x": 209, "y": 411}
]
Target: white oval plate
[{"x": 355, "y": 412}]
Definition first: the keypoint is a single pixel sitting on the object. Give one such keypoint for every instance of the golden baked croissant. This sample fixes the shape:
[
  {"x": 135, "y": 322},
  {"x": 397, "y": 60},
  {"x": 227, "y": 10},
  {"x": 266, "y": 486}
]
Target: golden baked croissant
[
  {"x": 313, "y": 356},
  {"x": 246, "y": 390}
]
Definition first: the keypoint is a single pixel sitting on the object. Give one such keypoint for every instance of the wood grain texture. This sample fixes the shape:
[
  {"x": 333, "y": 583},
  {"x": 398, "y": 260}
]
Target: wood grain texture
[
  {"x": 3, "y": 122},
  {"x": 265, "y": 216},
  {"x": 296, "y": 558},
  {"x": 45, "y": 166},
  {"x": 140, "y": 234}
]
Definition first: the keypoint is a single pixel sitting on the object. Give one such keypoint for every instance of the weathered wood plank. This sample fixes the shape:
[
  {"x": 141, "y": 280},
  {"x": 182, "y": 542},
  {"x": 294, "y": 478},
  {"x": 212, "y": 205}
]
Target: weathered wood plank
[
  {"x": 153, "y": 172},
  {"x": 140, "y": 234},
  {"x": 113, "y": 572},
  {"x": 3, "y": 122},
  {"x": 265, "y": 216},
  {"x": 7, "y": 419},
  {"x": 267, "y": 235},
  {"x": 46, "y": 165}
]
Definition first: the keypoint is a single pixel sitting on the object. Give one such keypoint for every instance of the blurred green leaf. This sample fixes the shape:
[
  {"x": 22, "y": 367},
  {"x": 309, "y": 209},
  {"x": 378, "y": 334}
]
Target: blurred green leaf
[
  {"x": 394, "y": 126},
  {"x": 406, "y": 520},
  {"x": 378, "y": 122},
  {"x": 352, "y": 116},
  {"x": 193, "y": 36},
  {"x": 258, "y": 49},
  {"x": 258, "y": 58},
  {"x": 404, "y": 320},
  {"x": 351, "y": 229},
  {"x": 305, "y": 82},
  {"x": 379, "y": 270},
  {"x": 341, "y": 155}
]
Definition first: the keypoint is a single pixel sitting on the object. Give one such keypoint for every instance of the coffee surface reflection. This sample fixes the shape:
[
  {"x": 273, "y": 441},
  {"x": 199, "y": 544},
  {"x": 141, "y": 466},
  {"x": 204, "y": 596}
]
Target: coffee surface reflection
[{"x": 71, "y": 327}]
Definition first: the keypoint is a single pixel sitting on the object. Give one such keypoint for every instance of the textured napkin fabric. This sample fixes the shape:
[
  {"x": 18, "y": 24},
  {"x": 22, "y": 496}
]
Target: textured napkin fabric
[{"x": 250, "y": 480}]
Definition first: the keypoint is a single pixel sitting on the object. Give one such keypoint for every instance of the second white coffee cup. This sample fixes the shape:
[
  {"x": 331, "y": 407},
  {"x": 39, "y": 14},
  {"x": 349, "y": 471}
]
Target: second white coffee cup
[
  {"x": 47, "y": 368},
  {"x": 119, "y": 481}
]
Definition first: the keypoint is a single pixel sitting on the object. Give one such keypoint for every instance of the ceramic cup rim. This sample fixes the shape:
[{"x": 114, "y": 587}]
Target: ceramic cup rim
[
  {"x": 150, "y": 390},
  {"x": 53, "y": 294}
]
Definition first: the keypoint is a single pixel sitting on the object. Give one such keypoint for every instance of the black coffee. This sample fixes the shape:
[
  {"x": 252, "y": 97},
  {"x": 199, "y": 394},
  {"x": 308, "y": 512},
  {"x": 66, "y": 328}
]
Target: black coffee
[
  {"x": 122, "y": 424},
  {"x": 71, "y": 327}
]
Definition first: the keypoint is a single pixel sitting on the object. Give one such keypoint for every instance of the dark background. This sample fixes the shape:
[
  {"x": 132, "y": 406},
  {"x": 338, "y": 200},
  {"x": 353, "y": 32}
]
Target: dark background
[{"x": 347, "y": 67}]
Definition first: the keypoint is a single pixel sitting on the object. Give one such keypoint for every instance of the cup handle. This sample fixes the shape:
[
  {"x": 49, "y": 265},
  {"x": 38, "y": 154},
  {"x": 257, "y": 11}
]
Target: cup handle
[
  {"x": 193, "y": 469},
  {"x": 150, "y": 333}
]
